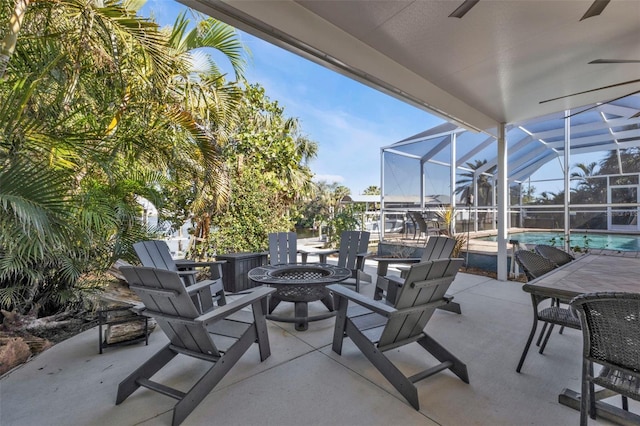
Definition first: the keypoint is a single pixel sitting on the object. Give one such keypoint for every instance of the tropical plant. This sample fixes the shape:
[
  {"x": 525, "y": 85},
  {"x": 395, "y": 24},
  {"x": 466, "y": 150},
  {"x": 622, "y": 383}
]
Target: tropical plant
[
  {"x": 371, "y": 190},
  {"x": 446, "y": 214},
  {"x": 483, "y": 182},
  {"x": 266, "y": 159},
  {"x": 98, "y": 107}
]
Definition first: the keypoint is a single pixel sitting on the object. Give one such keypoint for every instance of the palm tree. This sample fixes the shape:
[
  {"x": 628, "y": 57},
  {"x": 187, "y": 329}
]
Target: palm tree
[
  {"x": 8, "y": 45},
  {"x": 590, "y": 189},
  {"x": 629, "y": 161},
  {"x": 371, "y": 190},
  {"x": 95, "y": 102},
  {"x": 465, "y": 185}
]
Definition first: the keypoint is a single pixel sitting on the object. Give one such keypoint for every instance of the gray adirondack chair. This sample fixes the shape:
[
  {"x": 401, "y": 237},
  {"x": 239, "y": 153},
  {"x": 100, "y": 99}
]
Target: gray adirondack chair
[
  {"x": 283, "y": 248},
  {"x": 351, "y": 255},
  {"x": 375, "y": 327},
  {"x": 220, "y": 336},
  {"x": 440, "y": 247},
  {"x": 156, "y": 254}
]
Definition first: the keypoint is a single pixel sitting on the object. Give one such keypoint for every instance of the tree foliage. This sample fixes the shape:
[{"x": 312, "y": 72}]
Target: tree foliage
[
  {"x": 267, "y": 162},
  {"x": 100, "y": 108}
]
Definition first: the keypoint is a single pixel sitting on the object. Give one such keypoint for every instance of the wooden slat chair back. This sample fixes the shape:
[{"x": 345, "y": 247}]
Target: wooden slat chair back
[
  {"x": 437, "y": 247},
  {"x": 375, "y": 327},
  {"x": 165, "y": 298},
  {"x": 283, "y": 248},
  {"x": 351, "y": 255},
  {"x": 426, "y": 282},
  {"x": 156, "y": 254},
  {"x": 221, "y": 336}
]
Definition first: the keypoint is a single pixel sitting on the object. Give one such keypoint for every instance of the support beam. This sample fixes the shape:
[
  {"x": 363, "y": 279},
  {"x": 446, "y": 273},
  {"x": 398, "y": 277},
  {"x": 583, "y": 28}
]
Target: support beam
[
  {"x": 567, "y": 191},
  {"x": 382, "y": 194},
  {"x": 503, "y": 190},
  {"x": 452, "y": 183}
]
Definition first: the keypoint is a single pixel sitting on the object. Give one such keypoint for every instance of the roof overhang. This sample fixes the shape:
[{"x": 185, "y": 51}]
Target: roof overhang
[{"x": 494, "y": 65}]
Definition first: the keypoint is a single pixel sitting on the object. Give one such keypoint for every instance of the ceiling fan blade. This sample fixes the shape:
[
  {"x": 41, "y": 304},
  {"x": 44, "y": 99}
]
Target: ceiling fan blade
[
  {"x": 615, "y": 61},
  {"x": 593, "y": 90},
  {"x": 604, "y": 103},
  {"x": 463, "y": 8},
  {"x": 595, "y": 9}
]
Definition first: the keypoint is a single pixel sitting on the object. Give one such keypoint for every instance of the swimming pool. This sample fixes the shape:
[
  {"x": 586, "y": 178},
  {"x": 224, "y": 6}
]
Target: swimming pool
[{"x": 621, "y": 242}]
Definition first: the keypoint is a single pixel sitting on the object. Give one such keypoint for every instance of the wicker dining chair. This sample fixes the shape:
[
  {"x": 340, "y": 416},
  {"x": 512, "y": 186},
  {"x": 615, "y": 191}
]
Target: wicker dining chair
[
  {"x": 534, "y": 266},
  {"x": 611, "y": 338},
  {"x": 554, "y": 254}
]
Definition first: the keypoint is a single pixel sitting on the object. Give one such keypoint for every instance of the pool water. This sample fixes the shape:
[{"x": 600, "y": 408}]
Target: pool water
[{"x": 621, "y": 242}]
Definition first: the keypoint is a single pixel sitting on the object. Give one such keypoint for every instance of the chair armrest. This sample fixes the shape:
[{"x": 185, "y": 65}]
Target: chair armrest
[
  {"x": 374, "y": 305},
  {"x": 321, "y": 253},
  {"x": 317, "y": 251},
  {"x": 186, "y": 263},
  {"x": 396, "y": 280},
  {"x": 187, "y": 273},
  {"x": 224, "y": 311},
  {"x": 194, "y": 288},
  {"x": 384, "y": 262},
  {"x": 360, "y": 258},
  {"x": 397, "y": 259},
  {"x": 215, "y": 266}
]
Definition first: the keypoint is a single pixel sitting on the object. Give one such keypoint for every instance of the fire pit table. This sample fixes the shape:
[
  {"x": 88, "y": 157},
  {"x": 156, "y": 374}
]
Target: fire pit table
[{"x": 300, "y": 284}]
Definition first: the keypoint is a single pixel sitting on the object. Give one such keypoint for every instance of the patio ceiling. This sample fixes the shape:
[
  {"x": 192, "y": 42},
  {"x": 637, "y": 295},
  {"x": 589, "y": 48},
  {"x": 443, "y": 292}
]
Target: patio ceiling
[{"x": 493, "y": 65}]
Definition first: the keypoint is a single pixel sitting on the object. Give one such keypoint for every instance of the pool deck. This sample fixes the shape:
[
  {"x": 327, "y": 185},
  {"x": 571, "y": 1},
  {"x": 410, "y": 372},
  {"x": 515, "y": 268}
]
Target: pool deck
[{"x": 476, "y": 245}]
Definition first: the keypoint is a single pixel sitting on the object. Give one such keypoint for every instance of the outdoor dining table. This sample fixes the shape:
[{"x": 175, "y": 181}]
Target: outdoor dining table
[
  {"x": 300, "y": 284},
  {"x": 588, "y": 274}
]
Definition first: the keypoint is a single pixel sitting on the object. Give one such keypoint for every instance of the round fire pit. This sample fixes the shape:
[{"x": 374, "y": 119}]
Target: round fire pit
[{"x": 300, "y": 284}]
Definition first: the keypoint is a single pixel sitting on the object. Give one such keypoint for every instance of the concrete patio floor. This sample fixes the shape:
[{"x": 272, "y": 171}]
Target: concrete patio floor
[{"x": 304, "y": 382}]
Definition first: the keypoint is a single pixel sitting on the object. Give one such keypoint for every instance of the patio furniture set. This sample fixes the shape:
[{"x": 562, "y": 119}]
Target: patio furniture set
[
  {"x": 222, "y": 332},
  {"x": 201, "y": 323},
  {"x": 599, "y": 296}
]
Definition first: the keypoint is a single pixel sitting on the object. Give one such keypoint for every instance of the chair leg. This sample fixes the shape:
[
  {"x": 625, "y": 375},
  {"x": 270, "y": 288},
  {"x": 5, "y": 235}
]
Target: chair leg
[
  {"x": 451, "y": 307},
  {"x": 377, "y": 293},
  {"x": 443, "y": 355},
  {"x": 204, "y": 386},
  {"x": 385, "y": 367},
  {"x": 529, "y": 340},
  {"x": 584, "y": 397},
  {"x": 261, "y": 329},
  {"x": 341, "y": 322},
  {"x": 541, "y": 335},
  {"x": 145, "y": 371},
  {"x": 546, "y": 338},
  {"x": 592, "y": 393}
]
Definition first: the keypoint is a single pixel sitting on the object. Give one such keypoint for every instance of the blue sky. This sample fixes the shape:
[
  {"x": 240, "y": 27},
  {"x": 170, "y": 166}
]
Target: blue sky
[{"x": 348, "y": 120}]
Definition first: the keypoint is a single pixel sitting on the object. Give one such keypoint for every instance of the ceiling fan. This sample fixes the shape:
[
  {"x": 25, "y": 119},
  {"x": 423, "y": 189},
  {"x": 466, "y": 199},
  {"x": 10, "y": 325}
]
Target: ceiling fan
[
  {"x": 599, "y": 103},
  {"x": 595, "y": 9},
  {"x": 595, "y": 90}
]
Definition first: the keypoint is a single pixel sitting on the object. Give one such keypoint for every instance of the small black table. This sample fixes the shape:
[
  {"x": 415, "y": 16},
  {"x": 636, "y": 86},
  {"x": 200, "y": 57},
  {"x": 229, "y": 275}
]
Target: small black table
[{"x": 300, "y": 284}]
